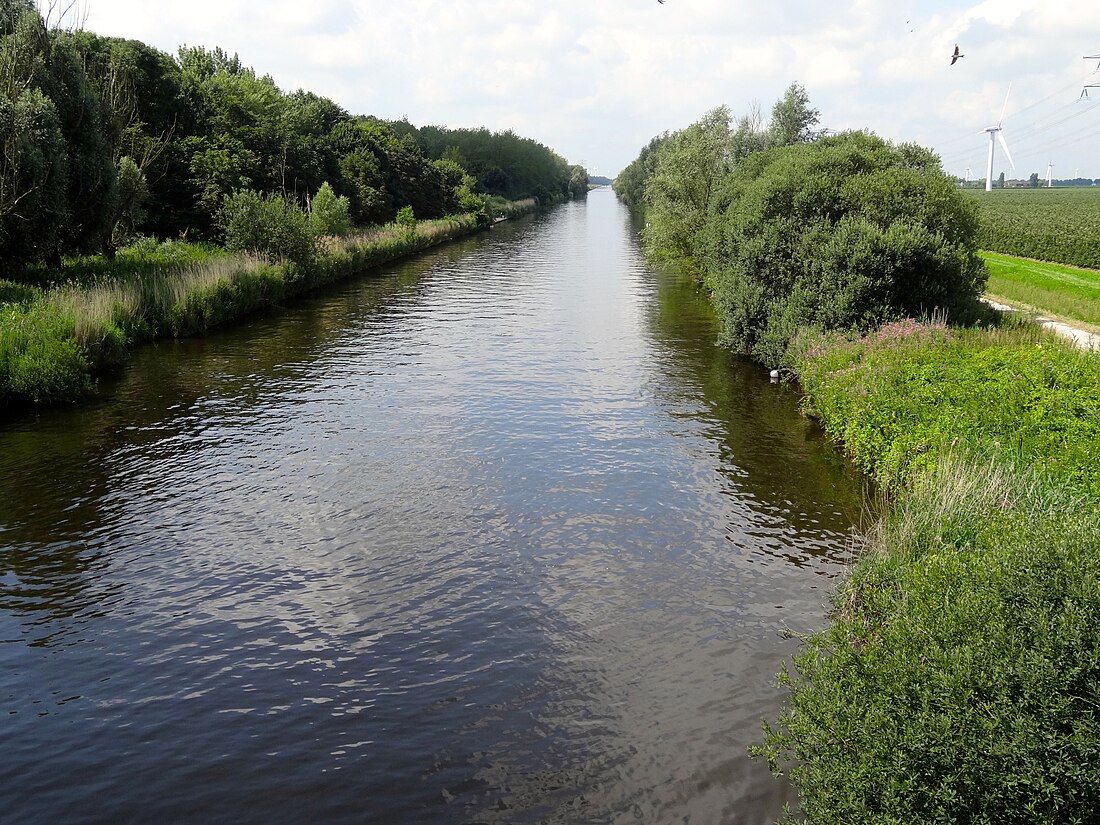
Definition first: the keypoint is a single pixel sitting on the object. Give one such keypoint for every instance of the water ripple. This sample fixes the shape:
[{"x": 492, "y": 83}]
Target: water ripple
[{"x": 496, "y": 536}]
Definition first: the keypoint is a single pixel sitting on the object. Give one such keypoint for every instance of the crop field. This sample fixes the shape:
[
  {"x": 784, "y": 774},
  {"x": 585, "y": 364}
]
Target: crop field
[
  {"x": 1062, "y": 291},
  {"x": 1060, "y": 225}
]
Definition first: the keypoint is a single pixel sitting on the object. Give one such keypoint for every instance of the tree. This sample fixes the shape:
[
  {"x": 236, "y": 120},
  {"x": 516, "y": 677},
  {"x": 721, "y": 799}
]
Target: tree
[
  {"x": 133, "y": 192},
  {"x": 630, "y": 184},
  {"x": 1033, "y": 181},
  {"x": 57, "y": 179},
  {"x": 793, "y": 120},
  {"x": 1001, "y": 181},
  {"x": 844, "y": 233},
  {"x": 689, "y": 165}
]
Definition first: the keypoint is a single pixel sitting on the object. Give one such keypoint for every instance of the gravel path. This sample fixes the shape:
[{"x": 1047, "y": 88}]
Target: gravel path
[{"x": 1082, "y": 338}]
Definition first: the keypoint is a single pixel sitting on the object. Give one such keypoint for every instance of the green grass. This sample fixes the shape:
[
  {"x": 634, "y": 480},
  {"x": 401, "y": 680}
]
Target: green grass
[
  {"x": 900, "y": 396},
  {"x": 959, "y": 677},
  {"x": 1057, "y": 225},
  {"x": 53, "y": 338},
  {"x": 1066, "y": 292}
]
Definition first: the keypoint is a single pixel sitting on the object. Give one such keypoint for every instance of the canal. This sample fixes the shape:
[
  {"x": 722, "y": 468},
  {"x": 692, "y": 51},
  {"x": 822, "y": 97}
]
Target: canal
[{"x": 495, "y": 535}]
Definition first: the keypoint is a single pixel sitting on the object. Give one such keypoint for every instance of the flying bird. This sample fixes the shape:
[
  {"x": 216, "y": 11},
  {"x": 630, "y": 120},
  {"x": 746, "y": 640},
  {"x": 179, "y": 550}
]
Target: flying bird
[{"x": 956, "y": 55}]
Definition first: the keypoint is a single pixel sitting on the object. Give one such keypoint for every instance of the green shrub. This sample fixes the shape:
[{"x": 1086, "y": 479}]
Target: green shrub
[
  {"x": 405, "y": 217},
  {"x": 329, "y": 215},
  {"x": 959, "y": 680},
  {"x": 471, "y": 204},
  {"x": 270, "y": 225},
  {"x": 844, "y": 233},
  {"x": 39, "y": 360},
  {"x": 13, "y": 293}
]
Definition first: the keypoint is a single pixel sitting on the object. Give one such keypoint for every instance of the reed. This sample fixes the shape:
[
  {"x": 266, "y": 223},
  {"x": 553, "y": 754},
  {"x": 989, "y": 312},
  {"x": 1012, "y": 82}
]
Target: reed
[{"x": 64, "y": 333}]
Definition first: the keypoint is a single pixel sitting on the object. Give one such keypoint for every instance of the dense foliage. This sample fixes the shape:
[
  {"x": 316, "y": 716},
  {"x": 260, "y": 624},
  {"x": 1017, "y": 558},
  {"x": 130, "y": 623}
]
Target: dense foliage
[
  {"x": 847, "y": 232},
  {"x": 1046, "y": 224},
  {"x": 106, "y": 138},
  {"x": 503, "y": 163},
  {"x": 792, "y": 229},
  {"x": 959, "y": 678},
  {"x": 960, "y": 674}
]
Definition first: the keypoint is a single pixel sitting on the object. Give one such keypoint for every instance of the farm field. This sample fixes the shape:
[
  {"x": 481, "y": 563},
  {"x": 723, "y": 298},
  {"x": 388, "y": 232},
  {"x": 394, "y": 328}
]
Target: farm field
[
  {"x": 1068, "y": 293},
  {"x": 1059, "y": 225}
]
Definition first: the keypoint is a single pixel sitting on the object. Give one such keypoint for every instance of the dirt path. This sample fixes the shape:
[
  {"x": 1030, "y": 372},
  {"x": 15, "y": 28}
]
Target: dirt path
[{"x": 1082, "y": 338}]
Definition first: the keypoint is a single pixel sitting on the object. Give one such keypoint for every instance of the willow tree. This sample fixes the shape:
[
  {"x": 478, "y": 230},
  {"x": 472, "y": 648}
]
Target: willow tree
[{"x": 689, "y": 165}]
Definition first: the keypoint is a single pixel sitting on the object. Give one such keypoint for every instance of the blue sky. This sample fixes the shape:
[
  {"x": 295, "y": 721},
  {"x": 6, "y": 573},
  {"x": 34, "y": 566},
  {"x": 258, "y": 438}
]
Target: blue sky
[{"x": 596, "y": 79}]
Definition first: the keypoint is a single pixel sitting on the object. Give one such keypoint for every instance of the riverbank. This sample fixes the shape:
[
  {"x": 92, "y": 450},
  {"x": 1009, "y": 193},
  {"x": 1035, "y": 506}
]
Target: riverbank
[
  {"x": 55, "y": 340},
  {"x": 475, "y": 514},
  {"x": 958, "y": 678}
]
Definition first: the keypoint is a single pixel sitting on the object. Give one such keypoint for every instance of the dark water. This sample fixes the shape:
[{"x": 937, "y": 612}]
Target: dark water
[{"x": 497, "y": 535}]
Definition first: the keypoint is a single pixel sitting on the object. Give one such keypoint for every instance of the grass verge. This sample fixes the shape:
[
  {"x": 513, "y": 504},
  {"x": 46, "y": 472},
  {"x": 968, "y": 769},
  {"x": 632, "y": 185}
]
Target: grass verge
[
  {"x": 959, "y": 677},
  {"x": 53, "y": 338},
  {"x": 1064, "y": 292}
]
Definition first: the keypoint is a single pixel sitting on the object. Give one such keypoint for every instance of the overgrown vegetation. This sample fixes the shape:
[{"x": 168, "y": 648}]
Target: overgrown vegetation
[
  {"x": 106, "y": 138},
  {"x": 52, "y": 340},
  {"x": 111, "y": 145},
  {"x": 900, "y": 396},
  {"x": 1056, "y": 225},
  {"x": 959, "y": 678},
  {"x": 792, "y": 229}
]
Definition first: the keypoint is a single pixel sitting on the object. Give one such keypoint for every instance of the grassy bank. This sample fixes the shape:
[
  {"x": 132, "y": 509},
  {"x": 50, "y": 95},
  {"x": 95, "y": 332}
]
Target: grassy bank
[
  {"x": 1046, "y": 224},
  {"x": 959, "y": 678},
  {"x": 1066, "y": 292},
  {"x": 55, "y": 337}
]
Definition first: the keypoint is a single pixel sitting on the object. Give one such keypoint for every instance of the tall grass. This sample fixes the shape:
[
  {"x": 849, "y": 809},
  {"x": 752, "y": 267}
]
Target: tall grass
[
  {"x": 40, "y": 361},
  {"x": 53, "y": 339}
]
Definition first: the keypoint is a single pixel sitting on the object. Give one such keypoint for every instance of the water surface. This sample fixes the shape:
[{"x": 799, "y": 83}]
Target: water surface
[{"x": 495, "y": 535}]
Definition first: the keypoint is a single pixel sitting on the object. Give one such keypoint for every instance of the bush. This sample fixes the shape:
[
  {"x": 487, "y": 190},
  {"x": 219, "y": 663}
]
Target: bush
[
  {"x": 267, "y": 225},
  {"x": 329, "y": 215},
  {"x": 405, "y": 217},
  {"x": 960, "y": 678},
  {"x": 844, "y": 233}
]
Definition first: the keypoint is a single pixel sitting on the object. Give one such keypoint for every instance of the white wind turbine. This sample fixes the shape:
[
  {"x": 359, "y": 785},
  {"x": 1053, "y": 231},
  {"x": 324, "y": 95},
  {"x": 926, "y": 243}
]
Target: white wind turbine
[
  {"x": 1050, "y": 172},
  {"x": 996, "y": 131}
]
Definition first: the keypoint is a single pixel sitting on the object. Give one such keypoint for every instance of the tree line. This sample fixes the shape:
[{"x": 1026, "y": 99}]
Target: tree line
[
  {"x": 104, "y": 137},
  {"x": 792, "y": 227}
]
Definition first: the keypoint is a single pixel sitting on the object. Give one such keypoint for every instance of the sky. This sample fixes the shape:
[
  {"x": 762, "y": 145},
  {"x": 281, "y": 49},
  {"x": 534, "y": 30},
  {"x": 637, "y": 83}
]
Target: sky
[{"x": 596, "y": 79}]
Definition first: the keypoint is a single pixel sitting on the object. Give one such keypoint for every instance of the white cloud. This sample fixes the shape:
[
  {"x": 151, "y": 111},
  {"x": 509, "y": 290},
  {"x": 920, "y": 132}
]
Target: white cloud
[{"x": 596, "y": 80}]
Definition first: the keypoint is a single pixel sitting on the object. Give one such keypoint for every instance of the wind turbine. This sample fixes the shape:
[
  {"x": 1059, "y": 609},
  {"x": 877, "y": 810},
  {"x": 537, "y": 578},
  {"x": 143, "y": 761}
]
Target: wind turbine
[
  {"x": 1050, "y": 172},
  {"x": 995, "y": 131},
  {"x": 968, "y": 174}
]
